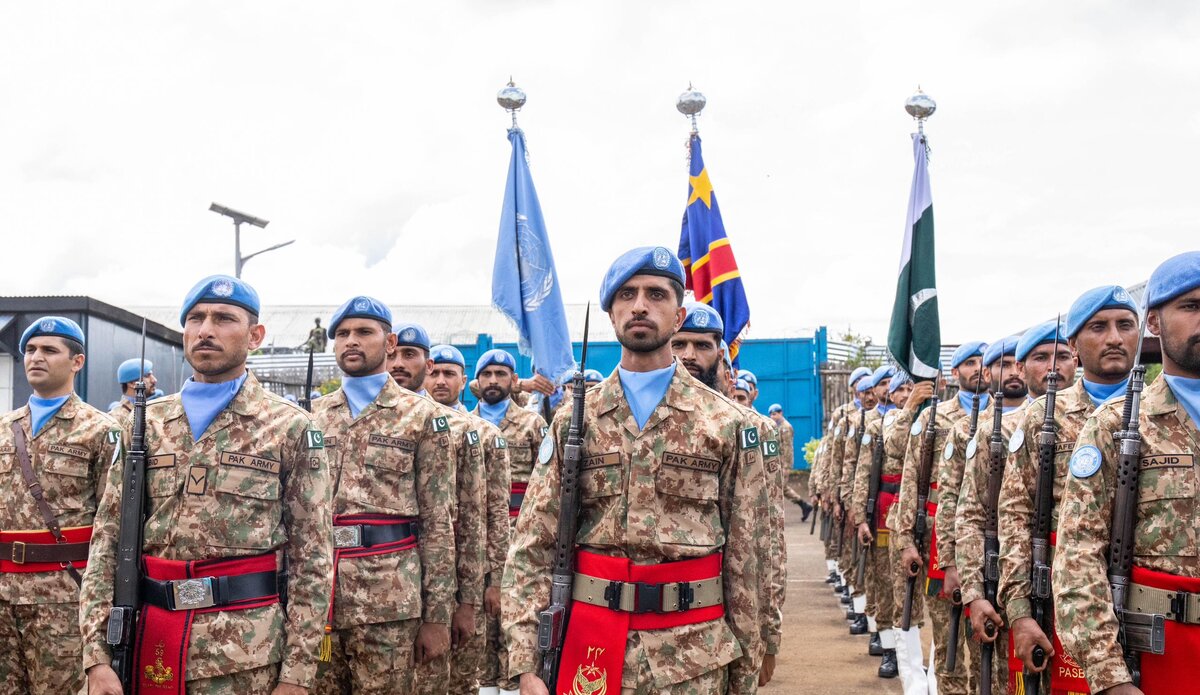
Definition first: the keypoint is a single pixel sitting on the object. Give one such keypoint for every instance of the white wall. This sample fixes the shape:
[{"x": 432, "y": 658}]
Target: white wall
[{"x": 6, "y": 386}]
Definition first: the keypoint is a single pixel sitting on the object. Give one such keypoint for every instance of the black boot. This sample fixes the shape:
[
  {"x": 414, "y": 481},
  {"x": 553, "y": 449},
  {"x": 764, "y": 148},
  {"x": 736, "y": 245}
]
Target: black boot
[
  {"x": 875, "y": 647},
  {"x": 838, "y": 586},
  {"x": 832, "y": 578},
  {"x": 807, "y": 509},
  {"x": 845, "y": 600},
  {"x": 859, "y": 625},
  {"x": 889, "y": 667}
]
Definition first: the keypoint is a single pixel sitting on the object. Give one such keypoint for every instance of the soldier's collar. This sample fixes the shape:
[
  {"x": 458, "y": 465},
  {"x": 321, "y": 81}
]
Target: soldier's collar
[
  {"x": 612, "y": 395},
  {"x": 250, "y": 393},
  {"x": 1157, "y": 399},
  {"x": 389, "y": 395},
  {"x": 1078, "y": 398},
  {"x": 68, "y": 409}
]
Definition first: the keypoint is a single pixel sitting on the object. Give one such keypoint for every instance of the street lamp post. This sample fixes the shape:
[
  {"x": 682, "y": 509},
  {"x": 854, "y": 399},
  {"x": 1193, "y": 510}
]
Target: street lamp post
[{"x": 238, "y": 218}]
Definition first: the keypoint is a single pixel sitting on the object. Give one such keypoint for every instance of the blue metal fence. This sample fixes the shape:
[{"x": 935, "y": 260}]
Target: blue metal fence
[{"x": 787, "y": 371}]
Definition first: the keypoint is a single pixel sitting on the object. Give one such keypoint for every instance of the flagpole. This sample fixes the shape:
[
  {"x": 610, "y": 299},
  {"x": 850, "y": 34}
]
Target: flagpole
[
  {"x": 690, "y": 104},
  {"x": 920, "y": 106},
  {"x": 512, "y": 98}
]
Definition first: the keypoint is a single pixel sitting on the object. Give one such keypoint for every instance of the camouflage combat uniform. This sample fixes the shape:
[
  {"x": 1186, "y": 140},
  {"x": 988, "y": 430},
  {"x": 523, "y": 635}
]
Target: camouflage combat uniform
[
  {"x": 904, "y": 515},
  {"x": 39, "y": 611},
  {"x": 522, "y": 431},
  {"x": 1165, "y": 528},
  {"x": 774, "y": 563},
  {"x": 1018, "y": 491},
  {"x": 881, "y": 432},
  {"x": 201, "y": 503},
  {"x": 395, "y": 459},
  {"x": 633, "y": 505},
  {"x": 829, "y": 469},
  {"x": 122, "y": 410},
  {"x": 970, "y": 519},
  {"x": 844, "y": 487}
]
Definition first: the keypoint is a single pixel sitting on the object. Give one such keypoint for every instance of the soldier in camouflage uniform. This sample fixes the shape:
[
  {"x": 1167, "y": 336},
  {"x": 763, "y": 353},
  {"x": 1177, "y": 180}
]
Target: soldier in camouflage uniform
[
  {"x": 852, "y": 596},
  {"x": 970, "y": 520},
  {"x": 481, "y": 508},
  {"x": 237, "y": 484},
  {"x": 1166, "y": 574},
  {"x": 965, "y": 366},
  {"x": 697, "y": 346},
  {"x": 127, "y": 377},
  {"x": 1102, "y": 329},
  {"x": 881, "y": 433},
  {"x": 787, "y": 455},
  {"x": 68, "y": 446},
  {"x": 670, "y": 479},
  {"x": 827, "y": 452},
  {"x": 522, "y": 432},
  {"x": 393, "y": 467}
]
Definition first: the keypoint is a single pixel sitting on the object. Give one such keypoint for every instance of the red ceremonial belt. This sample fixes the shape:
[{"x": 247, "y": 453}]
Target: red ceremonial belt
[
  {"x": 516, "y": 498},
  {"x": 75, "y": 534},
  {"x": 886, "y": 499},
  {"x": 164, "y": 635},
  {"x": 593, "y": 650},
  {"x": 1172, "y": 672}
]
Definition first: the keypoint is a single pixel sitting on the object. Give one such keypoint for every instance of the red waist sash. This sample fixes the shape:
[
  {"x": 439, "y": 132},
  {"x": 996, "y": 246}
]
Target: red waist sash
[
  {"x": 75, "y": 534},
  {"x": 164, "y": 635},
  {"x": 886, "y": 500},
  {"x": 516, "y": 498},
  {"x": 594, "y": 647},
  {"x": 1173, "y": 672}
]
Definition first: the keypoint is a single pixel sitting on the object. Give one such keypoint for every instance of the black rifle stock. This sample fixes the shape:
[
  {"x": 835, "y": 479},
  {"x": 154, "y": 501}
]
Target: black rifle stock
[
  {"x": 552, "y": 622},
  {"x": 921, "y": 519},
  {"x": 127, "y": 574},
  {"x": 991, "y": 537},
  {"x": 1042, "y": 609}
]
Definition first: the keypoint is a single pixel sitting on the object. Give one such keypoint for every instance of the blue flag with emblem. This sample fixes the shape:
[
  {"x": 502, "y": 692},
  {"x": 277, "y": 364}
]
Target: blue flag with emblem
[
  {"x": 524, "y": 282},
  {"x": 712, "y": 272}
]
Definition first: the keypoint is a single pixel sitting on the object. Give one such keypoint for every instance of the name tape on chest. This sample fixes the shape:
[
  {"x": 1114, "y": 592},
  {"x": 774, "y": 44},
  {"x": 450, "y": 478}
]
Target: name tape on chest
[
  {"x": 391, "y": 442},
  {"x": 695, "y": 463},
  {"x": 331, "y": 442},
  {"x": 1165, "y": 461},
  {"x": 1085, "y": 461},
  {"x": 160, "y": 461},
  {"x": 250, "y": 461},
  {"x": 750, "y": 438},
  {"x": 68, "y": 450},
  {"x": 612, "y": 458}
]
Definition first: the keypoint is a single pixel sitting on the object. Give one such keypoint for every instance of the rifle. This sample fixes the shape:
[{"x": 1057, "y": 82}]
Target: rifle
[
  {"x": 872, "y": 499},
  {"x": 812, "y": 526},
  {"x": 1043, "y": 507},
  {"x": 127, "y": 575},
  {"x": 924, "y": 480},
  {"x": 1139, "y": 632},
  {"x": 956, "y": 604},
  {"x": 552, "y": 622},
  {"x": 862, "y": 424},
  {"x": 991, "y": 536},
  {"x": 306, "y": 401}
]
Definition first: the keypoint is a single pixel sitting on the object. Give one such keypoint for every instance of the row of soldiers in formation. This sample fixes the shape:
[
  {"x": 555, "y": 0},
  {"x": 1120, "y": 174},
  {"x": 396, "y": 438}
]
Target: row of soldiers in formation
[
  {"x": 390, "y": 541},
  {"x": 978, "y": 567}
]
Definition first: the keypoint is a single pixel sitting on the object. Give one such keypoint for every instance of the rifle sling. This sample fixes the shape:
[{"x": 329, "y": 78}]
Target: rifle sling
[{"x": 35, "y": 489}]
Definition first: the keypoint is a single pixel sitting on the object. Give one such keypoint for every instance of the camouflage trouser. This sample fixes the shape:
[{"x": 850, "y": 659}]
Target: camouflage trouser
[
  {"x": 256, "y": 681},
  {"x": 949, "y": 682},
  {"x": 881, "y": 601},
  {"x": 637, "y": 670},
  {"x": 846, "y": 558},
  {"x": 457, "y": 671},
  {"x": 40, "y": 648},
  {"x": 495, "y": 665},
  {"x": 899, "y": 578},
  {"x": 999, "y": 663},
  {"x": 374, "y": 659}
]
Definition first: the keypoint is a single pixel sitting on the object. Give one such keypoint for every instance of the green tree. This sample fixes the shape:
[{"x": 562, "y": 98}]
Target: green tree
[
  {"x": 810, "y": 451},
  {"x": 859, "y": 357}
]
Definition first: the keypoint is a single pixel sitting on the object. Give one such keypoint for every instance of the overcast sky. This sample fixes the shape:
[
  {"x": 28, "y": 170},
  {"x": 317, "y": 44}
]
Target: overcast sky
[{"x": 1064, "y": 149}]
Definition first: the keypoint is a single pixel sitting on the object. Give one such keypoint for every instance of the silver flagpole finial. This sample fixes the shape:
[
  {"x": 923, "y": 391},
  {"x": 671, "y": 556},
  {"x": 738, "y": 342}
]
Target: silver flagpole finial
[
  {"x": 512, "y": 98},
  {"x": 690, "y": 104},
  {"x": 920, "y": 106}
]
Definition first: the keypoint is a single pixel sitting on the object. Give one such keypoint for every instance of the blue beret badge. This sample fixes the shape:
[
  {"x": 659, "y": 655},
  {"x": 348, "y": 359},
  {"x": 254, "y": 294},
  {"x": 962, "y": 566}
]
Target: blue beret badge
[{"x": 1085, "y": 462}]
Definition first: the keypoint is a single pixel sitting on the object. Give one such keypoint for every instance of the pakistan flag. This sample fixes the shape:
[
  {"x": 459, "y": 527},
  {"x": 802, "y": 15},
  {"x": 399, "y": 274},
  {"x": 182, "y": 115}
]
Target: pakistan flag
[{"x": 915, "y": 336}]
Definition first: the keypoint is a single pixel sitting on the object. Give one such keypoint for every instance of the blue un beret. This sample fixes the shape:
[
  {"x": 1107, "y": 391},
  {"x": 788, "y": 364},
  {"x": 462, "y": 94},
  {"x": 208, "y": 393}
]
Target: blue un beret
[
  {"x": 52, "y": 325},
  {"x": 447, "y": 354},
  {"x": 864, "y": 384},
  {"x": 775, "y": 408},
  {"x": 492, "y": 357},
  {"x": 412, "y": 334},
  {"x": 128, "y": 371},
  {"x": 644, "y": 260},
  {"x": 858, "y": 374},
  {"x": 741, "y": 385},
  {"x": 900, "y": 378},
  {"x": 966, "y": 351},
  {"x": 1177, "y": 275},
  {"x": 725, "y": 356},
  {"x": 880, "y": 374},
  {"x": 1039, "y": 335},
  {"x": 592, "y": 376},
  {"x": 748, "y": 376},
  {"x": 1094, "y": 301},
  {"x": 702, "y": 318},
  {"x": 1004, "y": 346},
  {"x": 220, "y": 289},
  {"x": 360, "y": 307}
]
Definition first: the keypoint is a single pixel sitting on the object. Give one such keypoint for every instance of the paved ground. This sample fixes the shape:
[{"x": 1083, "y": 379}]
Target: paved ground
[{"x": 819, "y": 655}]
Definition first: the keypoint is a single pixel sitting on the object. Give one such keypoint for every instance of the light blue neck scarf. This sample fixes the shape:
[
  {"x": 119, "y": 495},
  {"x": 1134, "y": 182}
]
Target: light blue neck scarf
[
  {"x": 645, "y": 390},
  {"x": 203, "y": 402},
  {"x": 966, "y": 401},
  {"x": 1187, "y": 392},
  {"x": 885, "y": 409},
  {"x": 494, "y": 413},
  {"x": 42, "y": 409},
  {"x": 1101, "y": 393},
  {"x": 362, "y": 391}
]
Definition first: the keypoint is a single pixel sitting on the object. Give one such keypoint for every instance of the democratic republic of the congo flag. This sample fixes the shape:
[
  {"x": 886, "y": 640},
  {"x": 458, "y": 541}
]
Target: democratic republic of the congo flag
[
  {"x": 712, "y": 271},
  {"x": 915, "y": 336}
]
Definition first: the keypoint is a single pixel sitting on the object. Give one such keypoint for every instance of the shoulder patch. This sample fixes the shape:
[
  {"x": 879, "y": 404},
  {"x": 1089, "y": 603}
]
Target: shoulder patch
[
  {"x": 545, "y": 429},
  {"x": 887, "y": 421},
  {"x": 866, "y": 439},
  {"x": 972, "y": 447},
  {"x": 441, "y": 424},
  {"x": 837, "y": 432},
  {"x": 770, "y": 448},
  {"x": 546, "y": 450},
  {"x": 315, "y": 439},
  {"x": 114, "y": 436},
  {"x": 750, "y": 438},
  {"x": 501, "y": 443},
  {"x": 948, "y": 452},
  {"x": 850, "y": 432},
  {"x": 1016, "y": 441},
  {"x": 916, "y": 428},
  {"x": 473, "y": 438},
  {"x": 1085, "y": 461}
]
